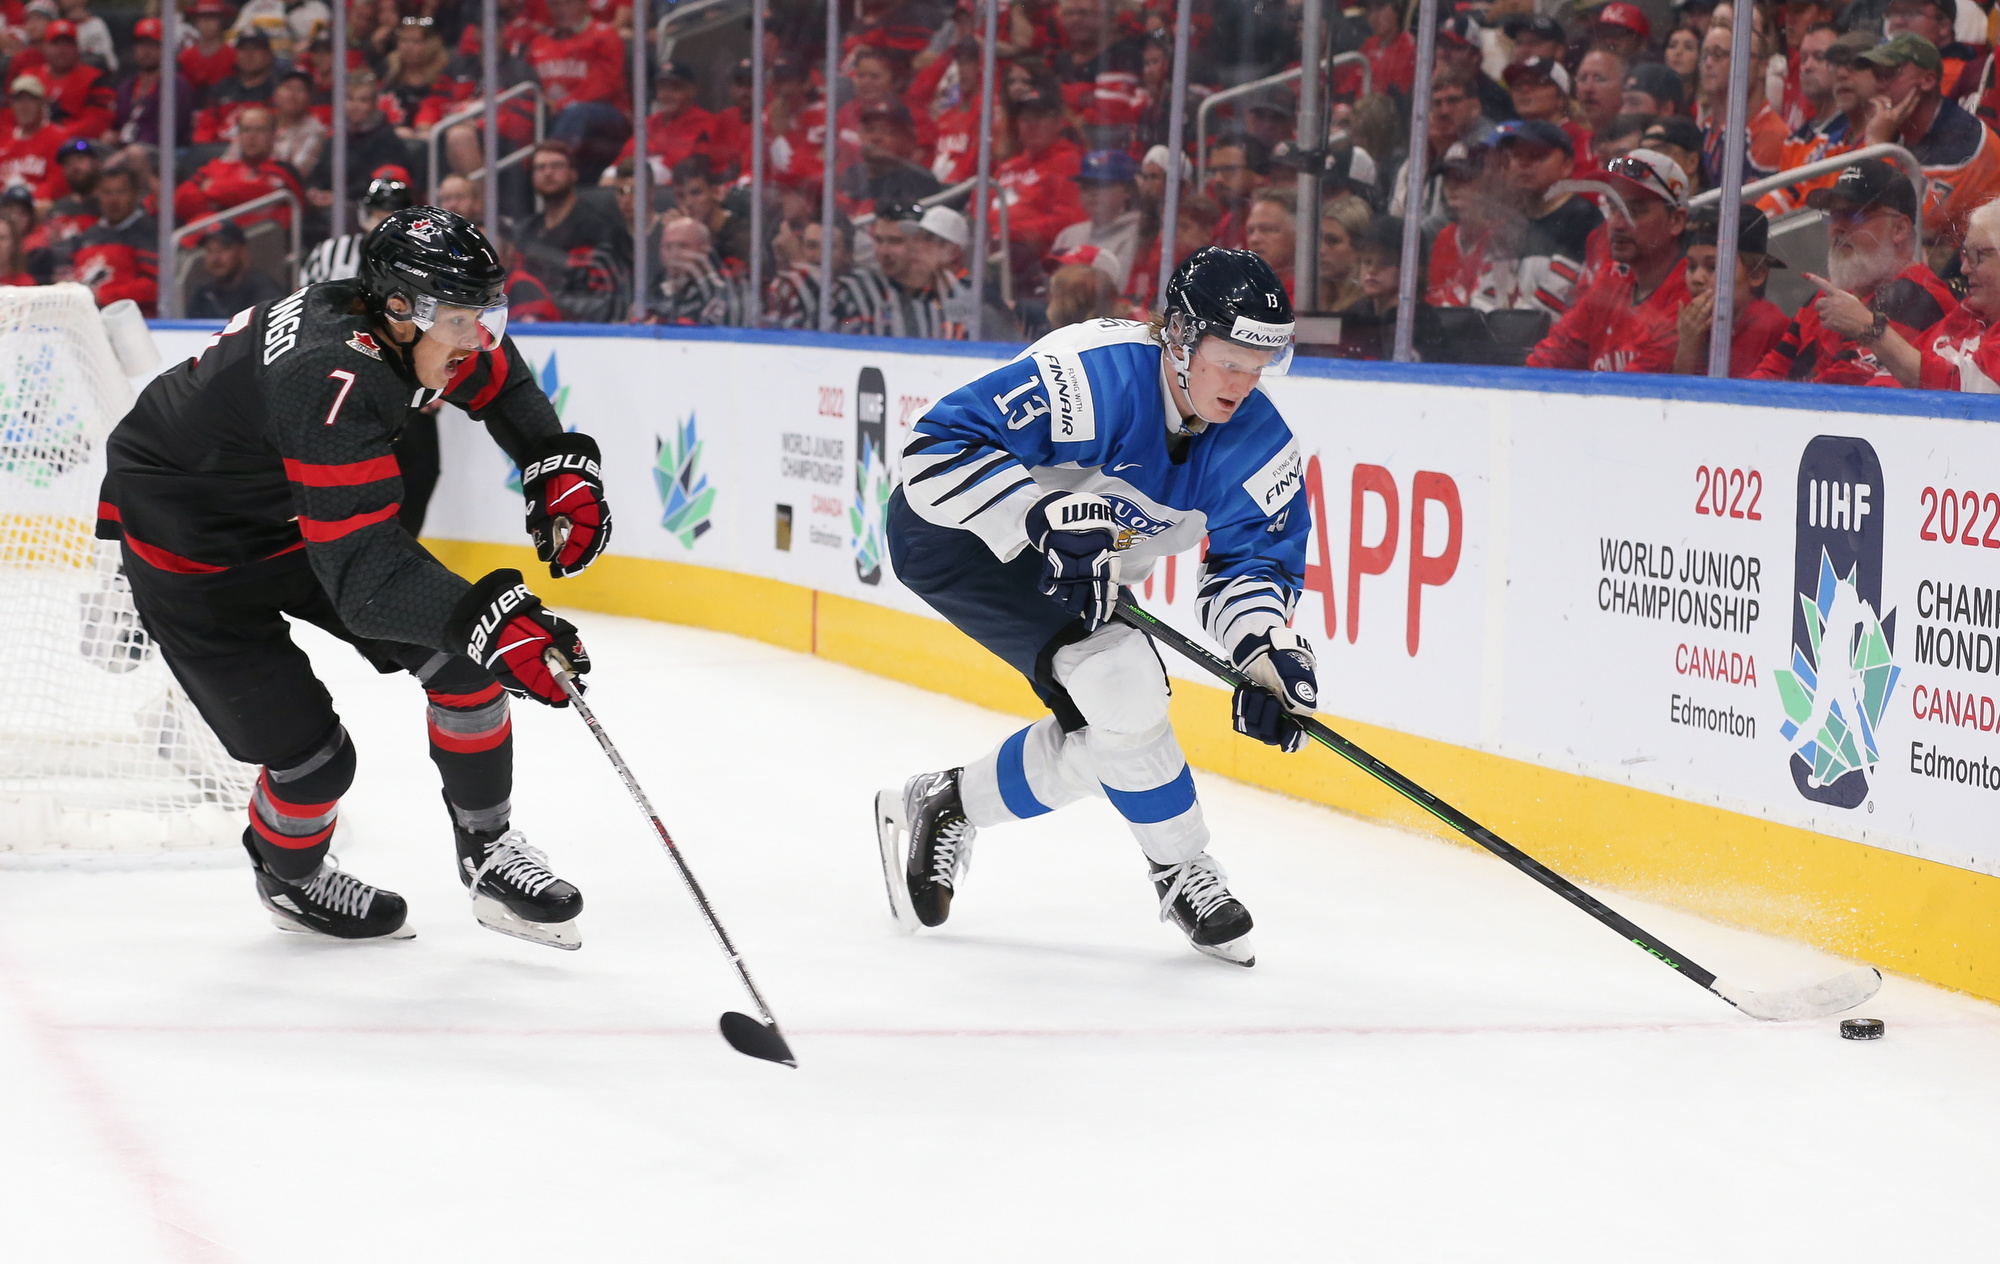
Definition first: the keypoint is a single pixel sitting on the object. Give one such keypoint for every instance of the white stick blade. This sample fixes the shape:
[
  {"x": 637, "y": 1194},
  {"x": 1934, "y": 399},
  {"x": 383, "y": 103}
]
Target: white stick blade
[{"x": 1840, "y": 993}]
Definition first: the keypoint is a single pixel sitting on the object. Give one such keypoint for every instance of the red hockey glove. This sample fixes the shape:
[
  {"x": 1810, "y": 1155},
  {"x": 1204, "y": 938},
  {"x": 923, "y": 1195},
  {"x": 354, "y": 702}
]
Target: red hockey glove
[
  {"x": 503, "y": 627},
  {"x": 564, "y": 480}
]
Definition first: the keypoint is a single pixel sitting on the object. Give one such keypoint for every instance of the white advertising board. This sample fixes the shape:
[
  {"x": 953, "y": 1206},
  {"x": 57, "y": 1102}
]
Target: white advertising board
[{"x": 1790, "y": 613}]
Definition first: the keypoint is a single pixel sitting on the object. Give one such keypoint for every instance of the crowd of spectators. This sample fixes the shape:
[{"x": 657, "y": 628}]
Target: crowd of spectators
[{"x": 1554, "y": 225}]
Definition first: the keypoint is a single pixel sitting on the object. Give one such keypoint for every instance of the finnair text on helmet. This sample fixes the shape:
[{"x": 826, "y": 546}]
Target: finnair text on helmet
[{"x": 1257, "y": 333}]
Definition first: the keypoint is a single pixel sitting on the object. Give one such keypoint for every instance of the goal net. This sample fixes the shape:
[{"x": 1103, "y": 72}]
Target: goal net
[{"x": 101, "y": 753}]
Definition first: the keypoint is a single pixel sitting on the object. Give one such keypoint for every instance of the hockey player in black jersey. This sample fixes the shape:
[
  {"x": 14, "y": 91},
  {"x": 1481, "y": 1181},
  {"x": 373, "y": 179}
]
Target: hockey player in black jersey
[{"x": 257, "y": 482}]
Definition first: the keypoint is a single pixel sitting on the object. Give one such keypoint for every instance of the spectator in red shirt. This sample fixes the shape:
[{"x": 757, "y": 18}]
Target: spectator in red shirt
[
  {"x": 76, "y": 211},
  {"x": 581, "y": 65},
  {"x": 252, "y": 84},
  {"x": 1391, "y": 52},
  {"x": 1099, "y": 71},
  {"x": 1871, "y": 212},
  {"x": 731, "y": 149},
  {"x": 28, "y": 146},
  {"x": 1623, "y": 29},
  {"x": 1756, "y": 324},
  {"x": 677, "y": 129},
  {"x": 1037, "y": 181},
  {"x": 227, "y": 182},
  {"x": 1626, "y": 321},
  {"x": 1955, "y": 354},
  {"x": 956, "y": 131},
  {"x": 1238, "y": 166},
  {"x": 119, "y": 256},
  {"x": 1541, "y": 91},
  {"x": 80, "y": 97},
  {"x": 210, "y": 59}
]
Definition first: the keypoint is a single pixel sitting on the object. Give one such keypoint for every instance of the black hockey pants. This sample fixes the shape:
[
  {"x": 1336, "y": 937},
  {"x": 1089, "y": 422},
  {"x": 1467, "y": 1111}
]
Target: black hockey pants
[{"x": 227, "y": 640}]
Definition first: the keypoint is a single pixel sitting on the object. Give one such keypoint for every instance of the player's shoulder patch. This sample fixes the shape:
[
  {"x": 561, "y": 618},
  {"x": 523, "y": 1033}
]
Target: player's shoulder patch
[
  {"x": 1273, "y": 486},
  {"x": 365, "y": 343}
]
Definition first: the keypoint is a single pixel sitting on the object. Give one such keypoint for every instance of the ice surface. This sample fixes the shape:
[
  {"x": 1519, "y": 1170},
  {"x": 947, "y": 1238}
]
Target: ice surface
[{"x": 1432, "y": 1060}]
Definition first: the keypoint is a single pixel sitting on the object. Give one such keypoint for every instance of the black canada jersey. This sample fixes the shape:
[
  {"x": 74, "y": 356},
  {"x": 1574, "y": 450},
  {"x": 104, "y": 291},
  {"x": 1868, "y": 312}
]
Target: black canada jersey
[{"x": 276, "y": 439}]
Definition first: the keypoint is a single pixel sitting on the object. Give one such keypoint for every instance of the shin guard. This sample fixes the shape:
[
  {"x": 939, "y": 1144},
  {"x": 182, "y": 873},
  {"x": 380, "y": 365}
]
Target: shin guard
[
  {"x": 293, "y": 809},
  {"x": 472, "y": 744}
]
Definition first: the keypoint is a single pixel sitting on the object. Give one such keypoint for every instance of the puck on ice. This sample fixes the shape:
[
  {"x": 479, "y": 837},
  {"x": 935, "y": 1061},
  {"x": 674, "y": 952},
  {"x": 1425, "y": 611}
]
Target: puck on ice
[{"x": 1861, "y": 1029}]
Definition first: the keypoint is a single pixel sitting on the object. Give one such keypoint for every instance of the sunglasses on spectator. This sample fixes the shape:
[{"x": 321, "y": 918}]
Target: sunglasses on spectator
[
  {"x": 423, "y": 23},
  {"x": 1643, "y": 175}
]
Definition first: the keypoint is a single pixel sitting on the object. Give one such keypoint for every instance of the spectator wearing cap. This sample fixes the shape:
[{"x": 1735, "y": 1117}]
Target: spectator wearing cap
[
  {"x": 1679, "y": 139},
  {"x": 1871, "y": 212},
  {"x": 1556, "y": 240},
  {"x": 1104, "y": 186},
  {"x": 1935, "y": 20},
  {"x": 17, "y": 210},
  {"x": 1954, "y": 354},
  {"x": 691, "y": 289},
  {"x": 1600, "y": 87},
  {"x": 1756, "y": 324},
  {"x": 93, "y": 36},
  {"x": 225, "y": 182},
  {"x": 1474, "y": 260},
  {"x": 251, "y": 84},
  {"x": 34, "y": 19},
  {"x": 76, "y": 211},
  {"x": 229, "y": 285},
  {"x": 1625, "y": 322},
  {"x": 1766, "y": 148},
  {"x": 136, "y": 103},
  {"x": 1626, "y": 133},
  {"x": 879, "y": 76},
  {"x": 1541, "y": 92},
  {"x": 1694, "y": 16},
  {"x": 1623, "y": 30},
  {"x": 209, "y": 58},
  {"x": 1651, "y": 88},
  {"x": 118, "y": 257},
  {"x": 941, "y": 241},
  {"x": 28, "y": 145},
  {"x": 1039, "y": 180},
  {"x": 1460, "y": 51},
  {"x": 80, "y": 99},
  {"x": 1541, "y": 37},
  {"x": 791, "y": 299},
  {"x": 886, "y": 171},
  {"x": 270, "y": 17},
  {"x": 580, "y": 63},
  {"x": 677, "y": 128},
  {"x": 698, "y": 194},
  {"x": 897, "y": 297},
  {"x": 1958, "y": 153},
  {"x": 1097, "y": 69}
]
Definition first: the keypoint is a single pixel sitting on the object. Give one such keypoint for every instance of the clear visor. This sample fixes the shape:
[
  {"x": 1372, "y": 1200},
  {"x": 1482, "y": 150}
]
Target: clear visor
[
  {"x": 1234, "y": 357},
  {"x": 466, "y": 328}
]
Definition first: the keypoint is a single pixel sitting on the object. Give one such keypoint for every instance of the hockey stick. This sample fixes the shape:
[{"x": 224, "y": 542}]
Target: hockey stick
[
  {"x": 744, "y": 1033},
  {"x": 1839, "y": 993}
]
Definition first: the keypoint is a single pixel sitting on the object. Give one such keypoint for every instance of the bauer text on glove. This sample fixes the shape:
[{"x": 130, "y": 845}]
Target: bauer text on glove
[
  {"x": 1077, "y": 535},
  {"x": 564, "y": 479},
  {"x": 1280, "y": 662},
  {"x": 504, "y": 628}
]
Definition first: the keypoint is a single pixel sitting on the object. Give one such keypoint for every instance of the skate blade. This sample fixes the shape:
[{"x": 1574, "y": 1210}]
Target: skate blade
[
  {"x": 1237, "y": 952},
  {"x": 290, "y": 927},
  {"x": 891, "y": 835},
  {"x": 494, "y": 915}
]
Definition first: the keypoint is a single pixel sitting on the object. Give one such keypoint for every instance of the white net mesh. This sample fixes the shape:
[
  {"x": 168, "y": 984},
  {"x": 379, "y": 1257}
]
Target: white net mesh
[{"x": 101, "y": 753}]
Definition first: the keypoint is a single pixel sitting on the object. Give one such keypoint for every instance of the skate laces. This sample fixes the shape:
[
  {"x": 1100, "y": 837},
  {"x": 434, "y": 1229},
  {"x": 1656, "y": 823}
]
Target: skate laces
[
  {"x": 330, "y": 888},
  {"x": 952, "y": 850},
  {"x": 1198, "y": 881},
  {"x": 511, "y": 859}
]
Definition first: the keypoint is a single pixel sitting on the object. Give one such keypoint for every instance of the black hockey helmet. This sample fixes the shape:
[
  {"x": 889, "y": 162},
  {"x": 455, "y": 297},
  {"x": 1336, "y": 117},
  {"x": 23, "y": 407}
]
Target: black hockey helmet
[
  {"x": 431, "y": 258},
  {"x": 386, "y": 195},
  {"x": 1233, "y": 295}
]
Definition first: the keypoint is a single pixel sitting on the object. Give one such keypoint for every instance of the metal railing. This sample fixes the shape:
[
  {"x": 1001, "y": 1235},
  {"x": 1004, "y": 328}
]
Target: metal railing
[
  {"x": 1258, "y": 85},
  {"x": 206, "y": 222},
  {"x": 1826, "y": 166},
  {"x": 477, "y": 109}
]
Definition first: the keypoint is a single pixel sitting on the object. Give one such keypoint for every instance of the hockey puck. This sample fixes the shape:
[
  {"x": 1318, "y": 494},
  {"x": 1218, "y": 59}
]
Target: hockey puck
[{"x": 1861, "y": 1029}]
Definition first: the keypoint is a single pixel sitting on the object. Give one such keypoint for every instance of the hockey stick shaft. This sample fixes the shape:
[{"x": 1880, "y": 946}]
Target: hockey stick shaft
[
  {"x": 715, "y": 927},
  {"x": 1129, "y": 611}
]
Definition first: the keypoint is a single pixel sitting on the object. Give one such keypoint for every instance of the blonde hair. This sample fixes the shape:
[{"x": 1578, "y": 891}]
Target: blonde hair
[
  {"x": 1349, "y": 211},
  {"x": 1081, "y": 292}
]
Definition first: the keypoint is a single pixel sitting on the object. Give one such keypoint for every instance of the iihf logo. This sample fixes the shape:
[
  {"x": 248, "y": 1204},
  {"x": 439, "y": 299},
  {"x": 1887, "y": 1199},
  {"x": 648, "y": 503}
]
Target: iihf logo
[{"x": 1843, "y": 671}]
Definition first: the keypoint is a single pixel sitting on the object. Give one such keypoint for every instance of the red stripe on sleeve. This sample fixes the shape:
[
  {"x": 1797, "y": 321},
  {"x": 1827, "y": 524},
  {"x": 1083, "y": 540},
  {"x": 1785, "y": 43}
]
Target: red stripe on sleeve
[
  {"x": 317, "y": 532},
  {"x": 497, "y": 370},
  {"x": 352, "y": 474}
]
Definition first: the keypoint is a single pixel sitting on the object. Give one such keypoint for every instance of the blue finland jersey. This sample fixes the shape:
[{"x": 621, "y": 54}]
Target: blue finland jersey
[{"x": 1086, "y": 409}]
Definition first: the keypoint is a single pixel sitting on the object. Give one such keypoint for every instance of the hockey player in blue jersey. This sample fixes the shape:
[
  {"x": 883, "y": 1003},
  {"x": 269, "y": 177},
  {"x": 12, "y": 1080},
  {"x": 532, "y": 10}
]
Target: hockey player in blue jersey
[{"x": 1028, "y": 496}]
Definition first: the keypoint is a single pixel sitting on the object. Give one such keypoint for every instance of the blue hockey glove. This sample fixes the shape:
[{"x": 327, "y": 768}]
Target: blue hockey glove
[
  {"x": 1281, "y": 663},
  {"x": 1077, "y": 535}
]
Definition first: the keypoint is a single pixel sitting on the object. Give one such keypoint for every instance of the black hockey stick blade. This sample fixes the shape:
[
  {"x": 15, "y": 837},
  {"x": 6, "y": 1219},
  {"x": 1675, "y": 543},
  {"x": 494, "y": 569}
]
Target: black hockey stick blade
[{"x": 759, "y": 1040}]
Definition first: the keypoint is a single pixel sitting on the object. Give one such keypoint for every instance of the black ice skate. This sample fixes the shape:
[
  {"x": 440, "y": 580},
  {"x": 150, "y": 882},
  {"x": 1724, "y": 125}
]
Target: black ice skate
[
  {"x": 926, "y": 843},
  {"x": 329, "y": 902},
  {"x": 513, "y": 891},
  {"x": 1193, "y": 896}
]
